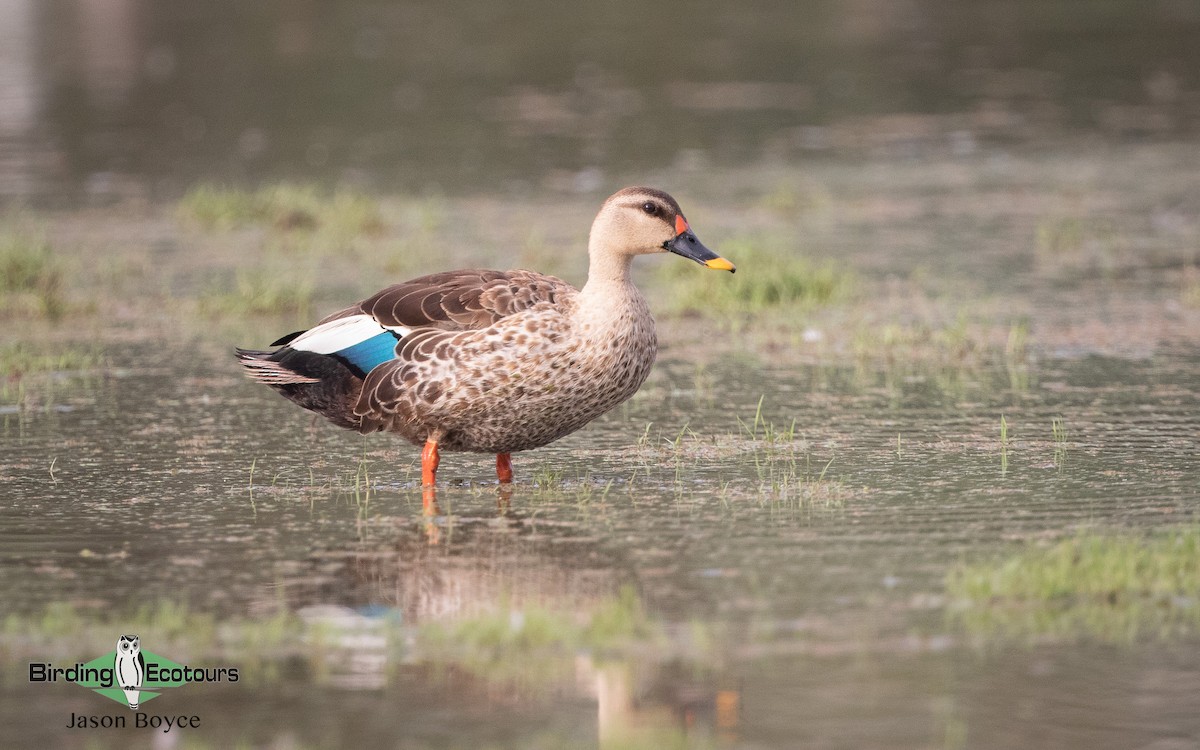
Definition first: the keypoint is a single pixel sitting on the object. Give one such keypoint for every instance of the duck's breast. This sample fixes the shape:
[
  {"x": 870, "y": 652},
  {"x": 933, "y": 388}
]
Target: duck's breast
[{"x": 533, "y": 381}]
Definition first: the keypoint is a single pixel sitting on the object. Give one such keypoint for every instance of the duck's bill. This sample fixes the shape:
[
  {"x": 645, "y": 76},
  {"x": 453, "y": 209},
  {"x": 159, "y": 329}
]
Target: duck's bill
[{"x": 686, "y": 244}]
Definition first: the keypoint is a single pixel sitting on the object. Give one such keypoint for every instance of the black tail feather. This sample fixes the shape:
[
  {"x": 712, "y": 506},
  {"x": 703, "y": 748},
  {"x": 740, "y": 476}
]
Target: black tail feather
[
  {"x": 318, "y": 382},
  {"x": 284, "y": 340}
]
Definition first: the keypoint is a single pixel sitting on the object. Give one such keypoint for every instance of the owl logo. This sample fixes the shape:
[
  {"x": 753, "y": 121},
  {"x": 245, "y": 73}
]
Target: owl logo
[{"x": 130, "y": 668}]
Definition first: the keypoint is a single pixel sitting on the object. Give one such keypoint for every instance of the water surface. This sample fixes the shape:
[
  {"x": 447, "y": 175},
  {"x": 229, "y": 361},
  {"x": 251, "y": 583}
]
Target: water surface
[
  {"x": 753, "y": 552},
  {"x": 822, "y": 614}
]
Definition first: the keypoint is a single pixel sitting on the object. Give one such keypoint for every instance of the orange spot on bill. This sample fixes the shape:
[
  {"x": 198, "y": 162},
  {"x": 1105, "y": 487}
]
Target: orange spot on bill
[{"x": 681, "y": 224}]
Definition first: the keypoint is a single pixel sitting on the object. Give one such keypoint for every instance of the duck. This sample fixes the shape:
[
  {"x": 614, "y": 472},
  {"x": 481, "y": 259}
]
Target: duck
[{"x": 486, "y": 361}]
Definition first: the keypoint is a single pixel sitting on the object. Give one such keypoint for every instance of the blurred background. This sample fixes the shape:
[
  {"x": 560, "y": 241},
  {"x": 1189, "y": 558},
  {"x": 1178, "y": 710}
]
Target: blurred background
[
  {"x": 876, "y": 493},
  {"x": 128, "y": 98}
]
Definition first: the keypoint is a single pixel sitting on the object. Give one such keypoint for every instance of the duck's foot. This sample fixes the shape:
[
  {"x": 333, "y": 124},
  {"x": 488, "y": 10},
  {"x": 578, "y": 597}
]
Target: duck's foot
[
  {"x": 429, "y": 462},
  {"x": 504, "y": 468}
]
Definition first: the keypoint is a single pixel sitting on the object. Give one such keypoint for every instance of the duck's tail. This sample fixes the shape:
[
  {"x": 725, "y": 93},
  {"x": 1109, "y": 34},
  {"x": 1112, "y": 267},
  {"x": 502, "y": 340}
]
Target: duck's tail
[{"x": 319, "y": 382}]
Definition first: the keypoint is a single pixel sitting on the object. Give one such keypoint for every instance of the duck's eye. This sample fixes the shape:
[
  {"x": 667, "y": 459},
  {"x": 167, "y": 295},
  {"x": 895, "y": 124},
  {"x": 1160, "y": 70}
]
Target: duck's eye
[{"x": 650, "y": 208}]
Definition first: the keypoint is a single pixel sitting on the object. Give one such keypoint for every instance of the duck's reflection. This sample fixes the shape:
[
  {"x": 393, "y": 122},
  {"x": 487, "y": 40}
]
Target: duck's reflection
[
  {"x": 430, "y": 510},
  {"x": 667, "y": 702},
  {"x": 505, "y": 579}
]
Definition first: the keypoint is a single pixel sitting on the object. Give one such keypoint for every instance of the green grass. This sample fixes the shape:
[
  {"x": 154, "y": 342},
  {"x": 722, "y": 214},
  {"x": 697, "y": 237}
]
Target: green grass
[
  {"x": 535, "y": 642},
  {"x": 772, "y": 464},
  {"x": 216, "y": 208},
  {"x": 761, "y": 429},
  {"x": 1003, "y": 444},
  {"x": 282, "y": 206},
  {"x": 1190, "y": 295},
  {"x": 954, "y": 355},
  {"x": 784, "y": 467},
  {"x": 1059, "y": 236},
  {"x": 261, "y": 647},
  {"x": 958, "y": 342},
  {"x": 20, "y": 359},
  {"x": 28, "y": 374},
  {"x": 501, "y": 644},
  {"x": 770, "y": 276},
  {"x": 1058, "y": 430},
  {"x": 31, "y": 277},
  {"x": 546, "y": 477},
  {"x": 554, "y": 486},
  {"x": 257, "y": 645},
  {"x": 1108, "y": 585},
  {"x": 260, "y": 292},
  {"x": 1072, "y": 243},
  {"x": 789, "y": 201}
]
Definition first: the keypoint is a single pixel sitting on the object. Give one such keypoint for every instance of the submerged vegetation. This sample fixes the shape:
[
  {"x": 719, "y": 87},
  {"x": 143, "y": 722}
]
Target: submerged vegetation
[
  {"x": 1107, "y": 585},
  {"x": 780, "y": 459}
]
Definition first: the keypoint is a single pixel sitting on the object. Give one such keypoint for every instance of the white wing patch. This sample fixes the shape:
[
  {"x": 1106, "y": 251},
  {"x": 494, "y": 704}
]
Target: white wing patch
[{"x": 342, "y": 333}]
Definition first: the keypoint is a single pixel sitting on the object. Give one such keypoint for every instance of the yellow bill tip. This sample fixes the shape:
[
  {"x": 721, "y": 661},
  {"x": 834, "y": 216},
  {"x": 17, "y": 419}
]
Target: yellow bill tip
[{"x": 720, "y": 264}]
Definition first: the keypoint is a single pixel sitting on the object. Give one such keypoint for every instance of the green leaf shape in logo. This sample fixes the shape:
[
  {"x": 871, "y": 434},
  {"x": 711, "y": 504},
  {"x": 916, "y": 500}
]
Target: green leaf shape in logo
[{"x": 161, "y": 668}]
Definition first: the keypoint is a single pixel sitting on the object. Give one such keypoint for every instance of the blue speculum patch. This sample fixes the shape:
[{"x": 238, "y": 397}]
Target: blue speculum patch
[{"x": 368, "y": 354}]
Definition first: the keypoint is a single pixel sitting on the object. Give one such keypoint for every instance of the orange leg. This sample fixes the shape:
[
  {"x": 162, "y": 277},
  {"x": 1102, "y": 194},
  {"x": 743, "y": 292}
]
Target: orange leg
[
  {"x": 504, "y": 468},
  {"x": 429, "y": 462}
]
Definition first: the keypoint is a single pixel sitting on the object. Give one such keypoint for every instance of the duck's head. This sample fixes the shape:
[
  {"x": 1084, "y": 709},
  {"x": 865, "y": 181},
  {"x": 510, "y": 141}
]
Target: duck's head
[{"x": 641, "y": 220}]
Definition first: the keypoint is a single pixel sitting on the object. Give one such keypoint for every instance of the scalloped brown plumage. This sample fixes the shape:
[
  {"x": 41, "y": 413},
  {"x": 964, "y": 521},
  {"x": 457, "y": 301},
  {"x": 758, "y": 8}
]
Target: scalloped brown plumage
[{"x": 490, "y": 361}]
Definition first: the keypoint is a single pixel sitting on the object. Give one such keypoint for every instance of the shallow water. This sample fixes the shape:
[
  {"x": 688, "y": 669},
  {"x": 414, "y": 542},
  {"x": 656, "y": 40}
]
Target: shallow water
[
  {"x": 753, "y": 552},
  {"x": 823, "y": 618}
]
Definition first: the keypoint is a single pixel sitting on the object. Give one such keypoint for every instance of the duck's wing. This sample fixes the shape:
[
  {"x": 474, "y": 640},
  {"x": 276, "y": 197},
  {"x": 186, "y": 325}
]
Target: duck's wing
[
  {"x": 451, "y": 301},
  {"x": 366, "y": 335},
  {"x": 458, "y": 300},
  {"x": 452, "y": 322},
  {"x": 400, "y": 342}
]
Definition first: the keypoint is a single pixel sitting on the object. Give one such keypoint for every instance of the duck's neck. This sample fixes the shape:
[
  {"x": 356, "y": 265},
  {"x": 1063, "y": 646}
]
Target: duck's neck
[
  {"x": 610, "y": 294},
  {"x": 605, "y": 268}
]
